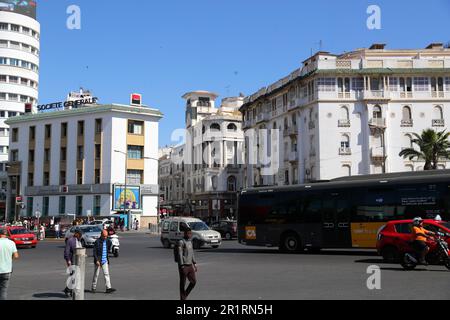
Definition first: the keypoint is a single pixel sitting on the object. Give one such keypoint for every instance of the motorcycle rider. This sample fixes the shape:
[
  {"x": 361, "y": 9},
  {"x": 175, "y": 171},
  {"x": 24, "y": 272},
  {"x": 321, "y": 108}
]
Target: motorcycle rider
[{"x": 420, "y": 236}]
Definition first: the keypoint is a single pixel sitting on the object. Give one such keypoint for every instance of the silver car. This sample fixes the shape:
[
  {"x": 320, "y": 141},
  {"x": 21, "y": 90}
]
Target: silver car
[
  {"x": 202, "y": 235},
  {"x": 90, "y": 234}
]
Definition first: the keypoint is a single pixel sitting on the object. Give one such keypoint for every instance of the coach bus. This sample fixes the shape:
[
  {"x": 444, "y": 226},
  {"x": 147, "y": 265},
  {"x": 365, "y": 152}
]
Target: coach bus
[{"x": 342, "y": 213}]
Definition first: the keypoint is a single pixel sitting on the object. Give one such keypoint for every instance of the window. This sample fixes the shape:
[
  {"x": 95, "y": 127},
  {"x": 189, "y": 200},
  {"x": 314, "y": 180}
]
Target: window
[
  {"x": 14, "y": 62},
  {"x": 32, "y": 133},
  {"x": 437, "y": 113},
  {"x": 30, "y": 206},
  {"x": 15, "y": 135},
  {"x": 3, "y": 78},
  {"x": 48, "y": 131},
  {"x": 80, "y": 128},
  {"x": 97, "y": 205},
  {"x": 136, "y": 127},
  {"x": 135, "y": 177},
  {"x": 98, "y": 126},
  {"x": 62, "y": 205},
  {"x": 79, "y": 206},
  {"x": 215, "y": 127},
  {"x": 14, "y": 155},
  {"x": 377, "y": 112},
  {"x": 31, "y": 180},
  {"x": 343, "y": 85},
  {"x": 135, "y": 152},
  {"x": 13, "y": 79},
  {"x": 421, "y": 84},
  {"x": 98, "y": 151},
  {"x": 3, "y": 60},
  {"x": 345, "y": 142},
  {"x": 13, "y": 97},
  {"x": 45, "y": 206},
  {"x": 393, "y": 84},
  {"x": 447, "y": 84},
  {"x": 3, "y": 149},
  {"x": 63, "y": 130},
  {"x": 4, "y": 26},
  {"x": 15, "y": 28},
  {"x": 2, "y": 96},
  {"x": 406, "y": 114},
  {"x": 79, "y": 176},
  {"x": 62, "y": 178},
  {"x": 231, "y": 184},
  {"x": 97, "y": 176},
  {"x": 63, "y": 154},
  {"x": 31, "y": 156},
  {"x": 46, "y": 178},
  {"x": 80, "y": 153},
  {"x": 344, "y": 114},
  {"x": 232, "y": 127},
  {"x": 4, "y": 132},
  {"x": 12, "y": 114},
  {"x": 47, "y": 155},
  {"x": 346, "y": 171}
]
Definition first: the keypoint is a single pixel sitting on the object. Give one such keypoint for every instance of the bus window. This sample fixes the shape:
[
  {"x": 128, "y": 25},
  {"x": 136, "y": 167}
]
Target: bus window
[
  {"x": 312, "y": 207},
  {"x": 377, "y": 205}
]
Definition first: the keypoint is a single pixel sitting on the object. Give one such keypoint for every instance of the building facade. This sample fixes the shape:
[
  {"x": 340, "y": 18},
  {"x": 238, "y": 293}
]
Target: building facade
[
  {"x": 202, "y": 176},
  {"x": 349, "y": 114},
  {"x": 19, "y": 78},
  {"x": 74, "y": 162}
]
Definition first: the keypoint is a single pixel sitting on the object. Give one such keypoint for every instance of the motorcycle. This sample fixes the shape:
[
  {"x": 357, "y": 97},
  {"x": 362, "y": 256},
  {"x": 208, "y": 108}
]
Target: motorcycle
[
  {"x": 439, "y": 250},
  {"x": 115, "y": 245}
]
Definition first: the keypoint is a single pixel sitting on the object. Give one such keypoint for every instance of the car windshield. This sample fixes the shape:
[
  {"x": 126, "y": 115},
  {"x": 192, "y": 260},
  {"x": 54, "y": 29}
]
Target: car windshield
[
  {"x": 15, "y": 232},
  {"x": 198, "y": 226},
  {"x": 91, "y": 229}
]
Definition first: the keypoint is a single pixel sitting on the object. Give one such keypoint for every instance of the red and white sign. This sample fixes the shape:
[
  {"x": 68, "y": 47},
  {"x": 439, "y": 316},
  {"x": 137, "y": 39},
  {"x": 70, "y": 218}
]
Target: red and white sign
[{"x": 136, "y": 99}]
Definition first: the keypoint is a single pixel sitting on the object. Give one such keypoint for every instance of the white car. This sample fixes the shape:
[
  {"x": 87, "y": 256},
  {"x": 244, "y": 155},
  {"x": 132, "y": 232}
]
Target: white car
[
  {"x": 202, "y": 235},
  {"x": 90, "y": 234}
]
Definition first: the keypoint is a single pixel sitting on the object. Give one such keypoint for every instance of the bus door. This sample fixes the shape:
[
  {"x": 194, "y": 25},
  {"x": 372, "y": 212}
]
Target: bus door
[{"x": 336, "y": 216}]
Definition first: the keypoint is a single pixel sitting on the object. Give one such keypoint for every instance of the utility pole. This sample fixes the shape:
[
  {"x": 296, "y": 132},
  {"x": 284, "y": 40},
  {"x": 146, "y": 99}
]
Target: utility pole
[{"x": 80, "y": 273}]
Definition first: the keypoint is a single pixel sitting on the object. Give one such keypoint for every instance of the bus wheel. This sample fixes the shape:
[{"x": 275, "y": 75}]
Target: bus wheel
[{"x": 290, "y": 243}]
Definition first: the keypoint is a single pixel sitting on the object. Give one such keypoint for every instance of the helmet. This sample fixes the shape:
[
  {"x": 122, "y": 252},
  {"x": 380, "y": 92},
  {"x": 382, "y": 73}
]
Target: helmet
[{"x": 417, "y": 221}]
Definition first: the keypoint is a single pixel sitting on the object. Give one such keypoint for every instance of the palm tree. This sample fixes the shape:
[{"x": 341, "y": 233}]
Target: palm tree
[{"x": 433, "y": 146}]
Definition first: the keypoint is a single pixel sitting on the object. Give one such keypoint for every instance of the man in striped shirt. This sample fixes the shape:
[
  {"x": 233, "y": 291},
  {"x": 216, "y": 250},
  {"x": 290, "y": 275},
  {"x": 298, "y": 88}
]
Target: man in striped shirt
[{"x": 101, "y": 260}]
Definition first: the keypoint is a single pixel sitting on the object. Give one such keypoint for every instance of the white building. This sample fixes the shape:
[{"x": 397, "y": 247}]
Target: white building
[
  {"x": 202, "y": 177},
  {"x": 19, "y": 77},
  {"x": 73, "y": 162},
  {"x": 349, "y": 114}
]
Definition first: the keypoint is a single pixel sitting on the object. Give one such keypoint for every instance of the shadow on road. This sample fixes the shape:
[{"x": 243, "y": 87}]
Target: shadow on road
[{"x": 50, "y": 295}]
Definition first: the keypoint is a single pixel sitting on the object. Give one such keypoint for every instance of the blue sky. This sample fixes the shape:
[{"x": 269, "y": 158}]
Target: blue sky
[{"x": 164, "y": 49}]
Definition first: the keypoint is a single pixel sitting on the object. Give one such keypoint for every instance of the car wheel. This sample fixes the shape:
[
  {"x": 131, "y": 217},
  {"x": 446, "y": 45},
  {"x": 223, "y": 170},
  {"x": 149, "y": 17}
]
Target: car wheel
[
  {"x": 228, "y": 236},
  {"x": 196, "y": 244},
  {"x": 166, "y": 244},
  {"x": 390, "y": 254},
  {"x": 291, "y": 243}
]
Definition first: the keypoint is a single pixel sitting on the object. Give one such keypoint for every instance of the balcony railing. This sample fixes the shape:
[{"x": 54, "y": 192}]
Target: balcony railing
[
  {"x": 437, "y": 94},
  {"x": 438, "y": 123},
  {"x": 344, "y": 123},
  {"x": 407, "y": 123},
  {"x": 377, "y": 122},
  {"x": 344, "y": 151},
  {"x": 291, "y": 131},
  {"x": 376, "y": 95},
  {"x": 378, "y": 153}
]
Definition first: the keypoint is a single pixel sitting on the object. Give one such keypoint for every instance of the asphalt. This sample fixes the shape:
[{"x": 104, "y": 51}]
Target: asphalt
[{"x": 146, "y": 271}]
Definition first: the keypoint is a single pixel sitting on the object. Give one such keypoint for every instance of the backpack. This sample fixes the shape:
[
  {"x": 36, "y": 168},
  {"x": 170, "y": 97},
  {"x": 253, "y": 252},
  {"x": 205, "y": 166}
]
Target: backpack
[{"x": 175, "y": 250}]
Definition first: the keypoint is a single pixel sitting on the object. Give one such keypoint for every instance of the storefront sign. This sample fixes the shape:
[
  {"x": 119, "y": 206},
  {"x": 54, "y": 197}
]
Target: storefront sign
[{"x": 65, "y": 105}]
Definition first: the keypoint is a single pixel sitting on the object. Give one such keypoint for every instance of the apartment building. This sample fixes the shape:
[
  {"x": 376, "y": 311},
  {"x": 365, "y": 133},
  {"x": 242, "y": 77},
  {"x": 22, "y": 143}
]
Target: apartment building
[
  {"x": 347, "y": 114},
  {"x": 85, "y": 160}
]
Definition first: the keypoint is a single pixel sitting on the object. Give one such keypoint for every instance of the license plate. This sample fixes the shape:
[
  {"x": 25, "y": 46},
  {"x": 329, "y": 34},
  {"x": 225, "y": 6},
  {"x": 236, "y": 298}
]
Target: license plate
[
  {"x": 27, "y": 242},
  {"x": 214, "y": 241}
]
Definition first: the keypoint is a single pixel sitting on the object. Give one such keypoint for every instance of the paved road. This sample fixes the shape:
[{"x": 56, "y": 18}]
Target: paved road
[{"x": 147, "y": 271}]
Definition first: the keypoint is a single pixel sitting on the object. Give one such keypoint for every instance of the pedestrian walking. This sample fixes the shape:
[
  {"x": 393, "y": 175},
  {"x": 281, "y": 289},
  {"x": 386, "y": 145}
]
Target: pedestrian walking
[
  {"x": 42, "y": 232},
  {"x": 57, "y": 231},
  {"x": 187, "y": 266},
  {"x": 101, "y": 261},
  {"x": 8, "y": 252},
  {"x": 69, "y": 253},
  {"x": 137, "y": 225}
]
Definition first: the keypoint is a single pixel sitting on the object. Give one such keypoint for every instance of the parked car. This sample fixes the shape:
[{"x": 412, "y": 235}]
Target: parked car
[
  {"x": 226, "y": 228},
  {"x": 90, "y": 234},
  {"x": 202, "y": 235},
  {"x": 105, "y": 223},
  {"x": 22, "y": 237},
  {"x": 395, "y": 237}
]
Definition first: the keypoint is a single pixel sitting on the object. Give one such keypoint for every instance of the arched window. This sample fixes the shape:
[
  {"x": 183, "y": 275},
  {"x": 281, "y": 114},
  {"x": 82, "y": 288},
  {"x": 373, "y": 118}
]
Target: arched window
[
  {"x": 215, "y": 127},
  {"x": 345, "y": 141},
  {"x": 344, "y": 114},
  {"x": 231, "y": 184},
  {"x": 437, "y": 113},
  {"x": 232, "y": 127},
  {"x": 214, "y": 182},
  {"x": 406, "y": 113},
  {"x": 377, "y": 112},
  {"x": 294, "y": 119},
  {"x": 286, "y": 126}
]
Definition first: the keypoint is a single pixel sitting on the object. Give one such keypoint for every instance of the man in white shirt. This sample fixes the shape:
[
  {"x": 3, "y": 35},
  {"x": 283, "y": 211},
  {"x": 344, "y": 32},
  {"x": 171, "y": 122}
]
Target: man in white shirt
[{"x": 8, "y": 252}]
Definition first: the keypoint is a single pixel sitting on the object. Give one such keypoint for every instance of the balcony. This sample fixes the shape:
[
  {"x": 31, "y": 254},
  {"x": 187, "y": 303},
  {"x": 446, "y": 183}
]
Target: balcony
[
  {"x": 377, "y": 122},
  {"x": 438, "y": 94},
  {"x": 262, "y": 117},
  {"x": 344, "y": 123},
  {"x": 438, "y": 123},
  {"x": 378, "y": 154},
  {"x": 344, "y": 151},
  {"x": 407, "y": 123},
  {"x": 376, "y": 95},
  {"x": 293, "y": 156}
]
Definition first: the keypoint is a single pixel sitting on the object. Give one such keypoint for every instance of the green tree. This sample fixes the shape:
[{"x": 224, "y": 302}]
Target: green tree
[{"x": 433, "y": 146}]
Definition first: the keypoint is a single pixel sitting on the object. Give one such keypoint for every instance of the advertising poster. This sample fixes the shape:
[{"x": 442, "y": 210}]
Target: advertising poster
[{"x": 132, "y": 197}]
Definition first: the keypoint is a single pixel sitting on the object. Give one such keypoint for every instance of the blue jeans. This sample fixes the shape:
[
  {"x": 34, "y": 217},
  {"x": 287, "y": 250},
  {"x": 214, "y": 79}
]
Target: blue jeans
[{"x": 4, "y": 284}]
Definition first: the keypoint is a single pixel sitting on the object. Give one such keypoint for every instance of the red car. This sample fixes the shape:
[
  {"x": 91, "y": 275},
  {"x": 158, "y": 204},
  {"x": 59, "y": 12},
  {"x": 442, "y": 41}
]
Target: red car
[
  {"x": 22, "y": 237},
  {"x": 395, "y": 237}
]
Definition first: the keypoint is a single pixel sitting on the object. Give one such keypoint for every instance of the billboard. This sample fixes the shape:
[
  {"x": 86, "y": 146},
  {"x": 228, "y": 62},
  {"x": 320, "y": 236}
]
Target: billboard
[
  {"x": 133, "y": 198},
  {"x": 25, "y": 7}
]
